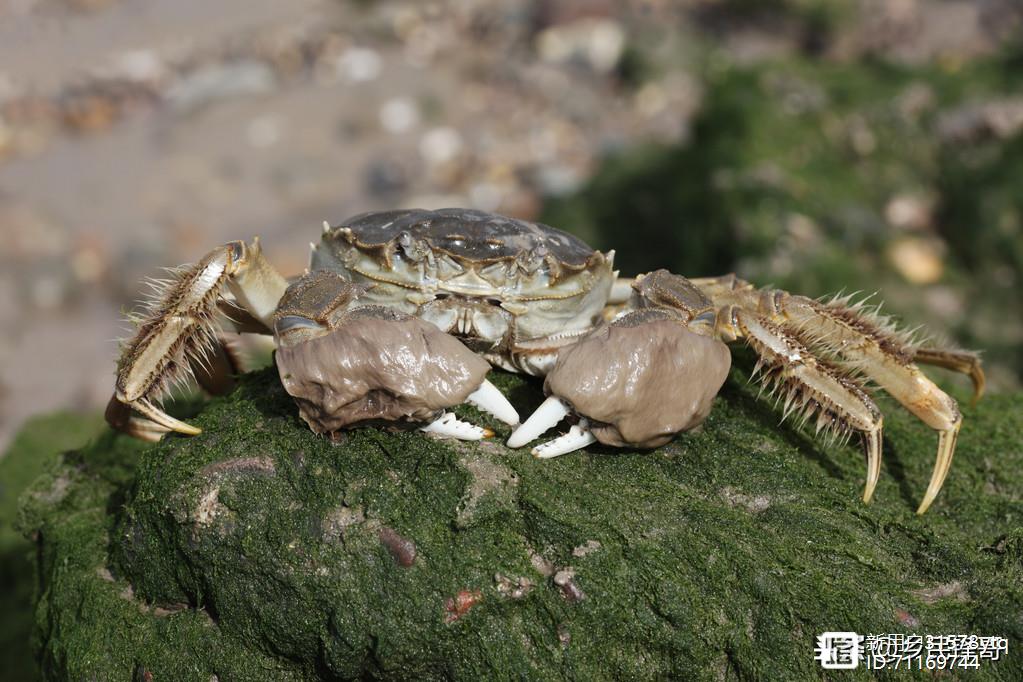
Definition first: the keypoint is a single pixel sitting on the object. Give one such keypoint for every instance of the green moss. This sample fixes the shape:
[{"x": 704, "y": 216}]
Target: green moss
[
  {"x": 258, "y": 550},
  {"x": 32, "y": 452}
]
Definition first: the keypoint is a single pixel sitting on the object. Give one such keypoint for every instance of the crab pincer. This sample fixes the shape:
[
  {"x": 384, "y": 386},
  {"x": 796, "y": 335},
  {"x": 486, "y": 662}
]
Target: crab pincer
[
  {"x": 637, "y": 381},
  {"x": 349, "y": 365}
]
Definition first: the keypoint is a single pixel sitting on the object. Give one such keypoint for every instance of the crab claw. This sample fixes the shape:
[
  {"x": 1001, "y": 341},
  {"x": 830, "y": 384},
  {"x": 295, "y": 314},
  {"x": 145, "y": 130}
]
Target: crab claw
[
  {"x": 348, "y": 364},
  {"x": 449, "y": 426},
  {"x": 492, "y": 401},
  {"x": 553, "y": 410},
  {"x": 635, "y": 382},
  {"x": 579, "y": 436}
]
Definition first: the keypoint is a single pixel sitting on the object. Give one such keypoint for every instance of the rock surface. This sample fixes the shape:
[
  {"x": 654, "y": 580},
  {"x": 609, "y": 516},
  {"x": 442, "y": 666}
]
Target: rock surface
[{"x": 259, "y": 550}]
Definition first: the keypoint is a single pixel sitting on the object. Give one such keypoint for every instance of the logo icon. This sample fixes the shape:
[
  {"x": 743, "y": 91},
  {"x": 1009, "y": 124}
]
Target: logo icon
[{"x": 839, "y": 650}]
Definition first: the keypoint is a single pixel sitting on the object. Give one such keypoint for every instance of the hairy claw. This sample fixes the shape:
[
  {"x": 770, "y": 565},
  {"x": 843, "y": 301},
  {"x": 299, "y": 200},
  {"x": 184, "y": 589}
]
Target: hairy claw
[
  {"x": 178, "y": 338},
  {"x": 163, "y": 419},
  {"x": 126, "y": 420}
]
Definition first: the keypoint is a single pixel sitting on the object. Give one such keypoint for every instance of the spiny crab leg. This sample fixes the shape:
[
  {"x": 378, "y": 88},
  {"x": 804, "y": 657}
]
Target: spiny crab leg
[
  {"x": 449, "y": 426},
  {"x": 180, "y": 331},
  {"x": 857, "y": 342},
  {"x": 489, "y": 399},
  {"x": 579, "y": 436},
  {"x": 552, "y": 411},
  {"x": 873, "y": 350},
  {"x": 810, "y": 386},
  {"x": 960, "y": 361}
]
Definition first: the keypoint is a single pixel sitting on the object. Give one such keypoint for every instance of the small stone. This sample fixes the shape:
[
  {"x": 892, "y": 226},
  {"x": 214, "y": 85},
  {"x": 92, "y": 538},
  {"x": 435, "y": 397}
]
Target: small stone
[
  {"x": 459, "y": 605},
  {"x": 563, "y": 577},
  {"x": 909, "y": 212},
  {"x": 385, "y": 178},
  {"x": 587, "y": 547},
  {"x": 399, "y": 115},
  {"x": 359, "y": 64},
  {"x": 906, "y": 619},
  {"x": 209, "y": 83},
  {"x": 513, "y": 588},
  {"x": 595, "y": 42},
  {"x": 440, "y": 145},
  {"x": 401, "y": 548},
  {"x": 918, "y": 259},
  {"x": 803, "y": 229},
  {"x": 543, "y": 566},
  {"x": 88, "y": 264}
]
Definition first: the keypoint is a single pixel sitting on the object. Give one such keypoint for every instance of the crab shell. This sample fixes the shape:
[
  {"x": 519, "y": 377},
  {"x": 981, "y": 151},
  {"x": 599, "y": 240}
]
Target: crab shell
[{"x": 490, "y": 280}]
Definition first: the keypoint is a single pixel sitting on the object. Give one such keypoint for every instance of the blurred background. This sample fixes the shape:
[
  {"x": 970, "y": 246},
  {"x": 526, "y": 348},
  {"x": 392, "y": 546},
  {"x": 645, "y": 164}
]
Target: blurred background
[{"x": 872, "y": 145}]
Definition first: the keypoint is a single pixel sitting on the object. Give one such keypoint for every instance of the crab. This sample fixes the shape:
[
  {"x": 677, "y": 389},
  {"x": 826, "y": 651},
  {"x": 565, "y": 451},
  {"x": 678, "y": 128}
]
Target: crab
[{"x": 401, "y": 314}]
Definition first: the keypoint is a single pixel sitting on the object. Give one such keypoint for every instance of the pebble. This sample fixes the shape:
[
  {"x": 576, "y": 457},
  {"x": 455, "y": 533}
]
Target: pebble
[
  {"x": 440, "y": 145},
  {"x": 219, "y": 81},
  {"x": 399, "y": 115},
  {"x": 359, "y": 65}
]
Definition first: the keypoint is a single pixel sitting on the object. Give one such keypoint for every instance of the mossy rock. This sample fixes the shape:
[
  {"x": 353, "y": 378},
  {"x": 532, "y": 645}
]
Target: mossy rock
[{"x": 259, "y": 550}]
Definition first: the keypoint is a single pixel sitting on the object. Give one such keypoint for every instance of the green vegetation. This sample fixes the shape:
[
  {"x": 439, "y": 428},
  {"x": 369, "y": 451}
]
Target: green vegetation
[
  {"x": 793, "y": 175},
  {"x": 258, "y": 550},
  {"x": 35, "y": 450}
]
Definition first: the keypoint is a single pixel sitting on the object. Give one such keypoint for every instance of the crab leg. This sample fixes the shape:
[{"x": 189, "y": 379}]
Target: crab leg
[
  {"x": 960, "y": 361},
  {"x": 810, "y": 386},
  {"x": 180, "y": 331},
  {"x": 621, "y": 290},
  {"x": 552, "y": 411},
  {"x": 449, "y": 426},
  {"x": 869, "y": 347}
]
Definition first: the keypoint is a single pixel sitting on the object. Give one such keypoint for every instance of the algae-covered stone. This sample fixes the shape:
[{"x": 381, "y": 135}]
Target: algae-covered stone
[{"x": 258, "y": 550}]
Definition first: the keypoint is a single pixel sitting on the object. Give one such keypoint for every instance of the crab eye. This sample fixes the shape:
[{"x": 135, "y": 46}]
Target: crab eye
[
  {"x": 494, "y": 301},
  {"x": 441, "y": 295}
]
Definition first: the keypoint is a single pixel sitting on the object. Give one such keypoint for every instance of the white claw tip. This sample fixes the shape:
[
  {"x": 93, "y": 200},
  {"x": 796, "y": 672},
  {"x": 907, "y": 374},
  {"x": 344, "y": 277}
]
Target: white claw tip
[
  {"x": 579, "y": 436},
  {"x": 489, "y": 399},
  {"x": 449, "y": 426},
  {"x": 553, "y": 410}
]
